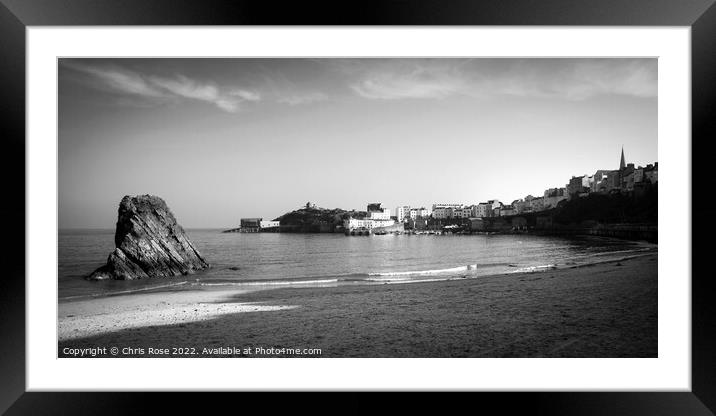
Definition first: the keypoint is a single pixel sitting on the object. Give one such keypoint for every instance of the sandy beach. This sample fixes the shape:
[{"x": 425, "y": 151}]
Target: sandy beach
[{"x": 607, "y": 309}]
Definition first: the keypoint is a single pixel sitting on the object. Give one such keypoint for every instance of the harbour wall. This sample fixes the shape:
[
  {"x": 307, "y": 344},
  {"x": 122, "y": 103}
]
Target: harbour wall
[{"x": 544, "y": 225}]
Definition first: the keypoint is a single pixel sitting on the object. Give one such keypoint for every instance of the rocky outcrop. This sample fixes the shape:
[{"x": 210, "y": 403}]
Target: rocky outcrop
[{"x": 149, "y": 243}]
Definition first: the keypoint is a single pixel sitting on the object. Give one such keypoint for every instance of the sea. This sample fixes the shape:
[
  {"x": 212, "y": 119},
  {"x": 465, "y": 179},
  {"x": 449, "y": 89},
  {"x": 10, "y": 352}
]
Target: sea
[{"x": 293, "y": 260}]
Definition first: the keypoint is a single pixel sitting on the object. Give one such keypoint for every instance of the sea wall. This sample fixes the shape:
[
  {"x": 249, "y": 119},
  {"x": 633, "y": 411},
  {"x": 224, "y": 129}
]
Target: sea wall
[
  {"x": 545, "y": 225},
  {"x": 647, "y": 232}
]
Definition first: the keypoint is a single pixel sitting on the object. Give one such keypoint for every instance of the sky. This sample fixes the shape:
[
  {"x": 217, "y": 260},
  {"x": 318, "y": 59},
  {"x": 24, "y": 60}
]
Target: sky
[{"x": 222, "y": 139}]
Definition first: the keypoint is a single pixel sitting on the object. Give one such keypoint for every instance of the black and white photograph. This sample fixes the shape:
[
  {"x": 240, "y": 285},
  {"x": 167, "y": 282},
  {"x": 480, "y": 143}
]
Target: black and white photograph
[{"x": 326, "y": 207}]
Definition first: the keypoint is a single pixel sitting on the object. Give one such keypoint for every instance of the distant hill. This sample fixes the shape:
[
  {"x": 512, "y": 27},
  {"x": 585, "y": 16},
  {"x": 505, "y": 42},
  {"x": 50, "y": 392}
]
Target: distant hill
[{"x": 316, "y": 220}]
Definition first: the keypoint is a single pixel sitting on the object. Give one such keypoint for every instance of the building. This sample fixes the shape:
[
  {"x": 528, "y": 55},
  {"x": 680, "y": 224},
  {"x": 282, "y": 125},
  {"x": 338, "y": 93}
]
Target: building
[
  {"x": 506, "y": 210},
  {"x": 630, "y": 177},
  {"x": 651, "y": 173},
  {"x": 435, "y": 206},
  {"x": 612, "y": 182},
  {"x": 255, "y": 225},
  {"x": 464, "y": 212},
  {"x": 375, "y": 206},
  {"x": 495, "y": 203},
  {"x": 377, "y": 217},
  {"x": 421, "y": 212},
  {"x": 368, "y": 224},
  {"x": 553, "y": 196},
  {"x": 251, "y": 225},
  {"x": 264, "y": 225},
  {"x": 442, "y": 212},
  {"x": 639, "y": 174},
  {"x": 375, "y": 212},
  {"x": 528, "y": 204},
  {"x": 482, "y": 210},
  {"x": 578, "y": 185},
  {"x": 521, "y": 206},
  {"x": 627, "y": 177},
  {"x": 402, "y": 212},
  {"x": 600, "y": 181}
]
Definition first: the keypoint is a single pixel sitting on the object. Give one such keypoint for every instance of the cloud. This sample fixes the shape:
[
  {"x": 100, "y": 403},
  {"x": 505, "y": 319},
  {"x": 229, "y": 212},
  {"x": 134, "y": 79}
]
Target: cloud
[
  {"x": 162, "y": 89},
  {"x": 631, "y": 78},
  {"x": 119, "y": 80},
  {"x": 245, "y": 94},
  {"x": 572, "y": 80},
  {"x": 299, "y": 99},
  {"x": 416, "y": 82},
  {"x": 582, "y": 79}
]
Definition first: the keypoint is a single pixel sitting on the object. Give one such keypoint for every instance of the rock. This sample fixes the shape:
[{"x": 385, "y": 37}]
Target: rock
[{"x": 149, "y": 243}]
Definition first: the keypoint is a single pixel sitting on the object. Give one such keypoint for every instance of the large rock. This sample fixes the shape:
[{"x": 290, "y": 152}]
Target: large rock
[{"x": 149, "y": 243}]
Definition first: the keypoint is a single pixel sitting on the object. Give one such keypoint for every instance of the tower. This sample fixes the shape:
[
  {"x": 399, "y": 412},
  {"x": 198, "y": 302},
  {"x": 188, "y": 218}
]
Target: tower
[{"x": 622, "y": 164}]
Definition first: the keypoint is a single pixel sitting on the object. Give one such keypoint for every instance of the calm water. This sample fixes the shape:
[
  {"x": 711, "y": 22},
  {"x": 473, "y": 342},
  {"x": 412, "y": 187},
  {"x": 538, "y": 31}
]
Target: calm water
[{"x": 282, "y": 259}]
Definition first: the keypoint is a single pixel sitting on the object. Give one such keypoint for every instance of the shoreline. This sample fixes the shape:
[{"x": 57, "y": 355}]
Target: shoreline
[
  {"x": 446, "y": 310},
  {"x": 416, "y": 276}
]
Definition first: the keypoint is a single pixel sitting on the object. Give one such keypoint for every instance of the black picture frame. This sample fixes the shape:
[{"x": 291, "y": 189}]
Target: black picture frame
[{"x": 16, "y": 15}]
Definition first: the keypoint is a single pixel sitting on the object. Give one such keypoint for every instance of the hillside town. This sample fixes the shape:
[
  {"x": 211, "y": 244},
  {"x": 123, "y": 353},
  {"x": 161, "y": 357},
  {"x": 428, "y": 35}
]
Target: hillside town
[{"x": 628, "y": 179}]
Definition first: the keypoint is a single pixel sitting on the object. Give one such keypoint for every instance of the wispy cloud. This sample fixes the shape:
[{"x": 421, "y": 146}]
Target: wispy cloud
[
  {"x": 572, "y": 80},
  {"x": 631, "y": 78},
  {"x": 119, "y": 80},
  {"x": 300, "y": 99},
  {"x": 306, "y": 82},
  {"x": 296, "y": 90},
  {"x": 415, "y": 81},
  {"x": 161, "y": 89}
]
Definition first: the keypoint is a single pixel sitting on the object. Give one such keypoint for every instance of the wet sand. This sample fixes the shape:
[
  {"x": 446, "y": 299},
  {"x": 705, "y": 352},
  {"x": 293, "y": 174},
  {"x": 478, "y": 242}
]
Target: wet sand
[{"x": 602, "y": 310}]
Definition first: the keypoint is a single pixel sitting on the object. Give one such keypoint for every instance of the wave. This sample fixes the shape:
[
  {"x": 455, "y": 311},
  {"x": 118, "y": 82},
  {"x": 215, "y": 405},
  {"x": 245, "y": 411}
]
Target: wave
[
  {"x": 531, "y": 269},
  {"x": 266, "y": 282},
  {"x": 426, "y": 272},
  {"x": 457, "y": 269},
  {"x": 412, "y": 276}
]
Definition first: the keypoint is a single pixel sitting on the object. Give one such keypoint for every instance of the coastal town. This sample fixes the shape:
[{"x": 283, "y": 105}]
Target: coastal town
[
  {"x": 411, "y": 206},
  {"x": 628, "y": 180}
]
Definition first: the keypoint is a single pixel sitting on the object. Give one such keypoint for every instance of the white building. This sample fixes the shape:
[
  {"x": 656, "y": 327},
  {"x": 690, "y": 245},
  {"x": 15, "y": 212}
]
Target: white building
[
  {"x": 379, "y": 215},
  {"x": 269, "y": 224},
  {"x": 369, "y": 224},
  {"x": 421, "y": 212},
  {"x": 402, "y": 212},
  {"x": 495, "y": 203}
]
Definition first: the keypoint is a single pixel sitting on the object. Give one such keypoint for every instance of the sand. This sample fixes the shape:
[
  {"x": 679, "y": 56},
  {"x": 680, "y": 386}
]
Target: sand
[
  {"x": 86, "y": 318},
  {"x": 607, "y": 309}
]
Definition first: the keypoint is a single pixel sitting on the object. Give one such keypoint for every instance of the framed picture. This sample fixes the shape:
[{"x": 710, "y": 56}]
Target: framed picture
[{"x": 455, "y": 197}]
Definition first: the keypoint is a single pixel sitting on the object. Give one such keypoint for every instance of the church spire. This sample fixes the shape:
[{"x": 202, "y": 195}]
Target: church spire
[{"x": 622, "y": 164}]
